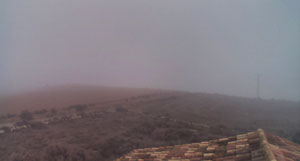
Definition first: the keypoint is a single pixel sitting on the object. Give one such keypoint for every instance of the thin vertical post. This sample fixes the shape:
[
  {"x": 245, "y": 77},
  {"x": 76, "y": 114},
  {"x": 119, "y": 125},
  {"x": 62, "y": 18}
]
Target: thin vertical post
[{"x": 258, "y": 86}]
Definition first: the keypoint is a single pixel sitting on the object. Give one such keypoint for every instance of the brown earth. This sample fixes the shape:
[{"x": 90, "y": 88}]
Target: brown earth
[
  {"x": 156, "y": 118},
  {"x": 63, "y": 96}
]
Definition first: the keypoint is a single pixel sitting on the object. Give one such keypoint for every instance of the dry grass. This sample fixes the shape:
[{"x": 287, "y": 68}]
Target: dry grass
[{"x": 147, "y": 120}]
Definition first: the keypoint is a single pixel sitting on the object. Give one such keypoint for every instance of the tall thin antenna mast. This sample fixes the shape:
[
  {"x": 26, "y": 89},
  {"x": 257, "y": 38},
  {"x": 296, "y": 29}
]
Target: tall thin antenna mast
[{"x": 258, "y": 86}]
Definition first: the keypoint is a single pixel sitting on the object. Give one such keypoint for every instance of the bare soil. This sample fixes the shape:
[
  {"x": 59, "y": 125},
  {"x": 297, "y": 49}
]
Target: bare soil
[{"x": 139, "y": 120}]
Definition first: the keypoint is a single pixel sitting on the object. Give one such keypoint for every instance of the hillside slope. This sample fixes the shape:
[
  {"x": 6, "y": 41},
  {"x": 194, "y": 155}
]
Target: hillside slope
[
  {"x": 62, "y": 96},
  {"x": 108, "y": 129}
]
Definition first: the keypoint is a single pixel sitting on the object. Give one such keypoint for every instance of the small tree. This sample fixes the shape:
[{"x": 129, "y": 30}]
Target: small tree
[{"x": 26, "y": 115}]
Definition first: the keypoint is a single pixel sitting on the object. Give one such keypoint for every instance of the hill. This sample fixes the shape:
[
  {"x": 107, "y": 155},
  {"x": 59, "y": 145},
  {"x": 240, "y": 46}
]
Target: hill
[
  {"x": 107, "y": 129},
  {"x": 62, "y": 96}
]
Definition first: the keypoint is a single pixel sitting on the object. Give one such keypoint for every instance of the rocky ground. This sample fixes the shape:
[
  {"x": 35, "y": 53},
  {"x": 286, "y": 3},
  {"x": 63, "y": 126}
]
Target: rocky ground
[{"x": 105, "y": 131}]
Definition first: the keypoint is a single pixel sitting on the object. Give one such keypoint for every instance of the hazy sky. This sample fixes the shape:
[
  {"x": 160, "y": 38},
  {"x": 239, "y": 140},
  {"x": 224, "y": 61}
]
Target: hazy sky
[{"x": 212, "y": 46}]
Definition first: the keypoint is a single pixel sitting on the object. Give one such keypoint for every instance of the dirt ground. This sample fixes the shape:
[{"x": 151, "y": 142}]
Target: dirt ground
[{"x": 155, "y": 118}]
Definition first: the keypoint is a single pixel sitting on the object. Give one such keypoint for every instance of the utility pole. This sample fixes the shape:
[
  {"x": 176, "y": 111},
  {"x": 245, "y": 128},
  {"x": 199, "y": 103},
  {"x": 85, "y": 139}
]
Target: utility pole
[{"x": 258, "y": 86}]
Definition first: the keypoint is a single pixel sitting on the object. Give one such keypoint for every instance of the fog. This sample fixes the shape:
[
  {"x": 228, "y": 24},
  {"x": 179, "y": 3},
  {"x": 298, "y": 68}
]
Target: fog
[{"x": 199, "y": 46}]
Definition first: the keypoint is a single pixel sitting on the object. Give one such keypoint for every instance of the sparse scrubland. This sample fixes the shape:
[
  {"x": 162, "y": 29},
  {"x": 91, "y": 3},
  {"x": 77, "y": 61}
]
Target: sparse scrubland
[{"x": 106, "y": 130}]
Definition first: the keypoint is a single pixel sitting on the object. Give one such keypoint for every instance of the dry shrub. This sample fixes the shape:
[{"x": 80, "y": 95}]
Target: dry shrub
[
  {"x": 159, "y": 133},
  {"x": 62, "y": 153},
  {"x": 78, "y": 108},
  {"x": 296, "y": 138},
  {"x": 116, "y": 146},
  {"x": 220, "y": 129},
  {"x": 42, "y": 111},
  {"x": 145, "y": 128},
  {"x": 175, "y": 134},
  {"x": 23, "y": 157},
  {"x": 56, "y": 153},
  {"x": 37, "y": 125},
  {"x": 26, "y": 115},
  {"x": 121, "y": 109}
]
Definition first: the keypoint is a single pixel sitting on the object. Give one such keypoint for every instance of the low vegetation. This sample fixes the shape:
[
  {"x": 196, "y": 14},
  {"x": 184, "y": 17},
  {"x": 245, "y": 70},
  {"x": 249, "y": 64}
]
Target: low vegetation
[
  {"x": 108, "y": 130},
  {"x": 26, "y": 115}
]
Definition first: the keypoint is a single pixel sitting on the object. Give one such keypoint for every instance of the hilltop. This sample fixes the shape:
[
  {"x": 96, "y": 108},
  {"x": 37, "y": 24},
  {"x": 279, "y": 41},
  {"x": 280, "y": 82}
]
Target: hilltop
[{"x": 65, "y": 95}]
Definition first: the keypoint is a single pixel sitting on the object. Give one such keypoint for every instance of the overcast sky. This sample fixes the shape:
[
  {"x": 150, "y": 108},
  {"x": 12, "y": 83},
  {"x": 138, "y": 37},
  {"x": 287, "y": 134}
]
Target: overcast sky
[{"x": 196, "y": 45}]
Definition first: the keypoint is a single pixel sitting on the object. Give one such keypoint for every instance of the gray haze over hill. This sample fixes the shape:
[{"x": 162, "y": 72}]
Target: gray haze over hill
[{"x": 202, "y": 46}]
